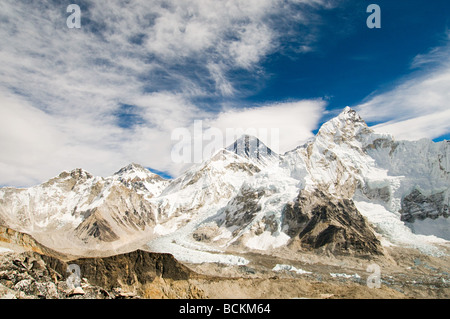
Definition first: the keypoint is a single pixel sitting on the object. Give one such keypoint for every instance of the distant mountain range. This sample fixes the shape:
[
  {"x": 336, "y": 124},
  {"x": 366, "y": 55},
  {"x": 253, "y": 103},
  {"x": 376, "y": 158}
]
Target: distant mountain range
[{"x": 348, "y": 191}]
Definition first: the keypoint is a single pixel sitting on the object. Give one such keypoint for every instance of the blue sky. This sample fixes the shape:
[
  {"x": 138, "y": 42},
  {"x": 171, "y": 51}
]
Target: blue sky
[
  {"x": 114, "y": 91},
  {"x": 351, "y": 62}
]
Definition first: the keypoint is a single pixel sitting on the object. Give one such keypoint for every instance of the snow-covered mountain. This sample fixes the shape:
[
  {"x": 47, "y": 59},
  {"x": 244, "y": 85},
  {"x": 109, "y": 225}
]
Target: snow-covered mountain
[
  {"x": 345, "y": 161},
  {"x": 77, "y": 209},
  {"x": 349, "y": 190}
]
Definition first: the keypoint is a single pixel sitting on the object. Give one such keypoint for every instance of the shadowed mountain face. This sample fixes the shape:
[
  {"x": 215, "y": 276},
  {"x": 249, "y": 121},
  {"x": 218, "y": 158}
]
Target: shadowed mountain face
[
  {"x": 319, "y": 222},
  {"x": 252, "y": 148}
]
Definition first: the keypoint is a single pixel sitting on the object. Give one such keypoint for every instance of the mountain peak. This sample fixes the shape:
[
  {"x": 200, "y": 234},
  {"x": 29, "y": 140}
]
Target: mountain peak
[
  {"x": 80, "y": 173},
  {"x": 135, "y": 170},
  {"x": 249, "y": 146},
  {"x": 350, "y": 114},
  {"x": 348, "y": 123},
  {"x": 348, "y": 109},
  {"x": 130, "y": 168}
]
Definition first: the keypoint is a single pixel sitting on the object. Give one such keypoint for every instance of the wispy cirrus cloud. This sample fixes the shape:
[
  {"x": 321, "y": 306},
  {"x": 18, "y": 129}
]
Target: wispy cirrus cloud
[
  {"x": 418, "y": 106},
  {"x": 111, "y": 92}
]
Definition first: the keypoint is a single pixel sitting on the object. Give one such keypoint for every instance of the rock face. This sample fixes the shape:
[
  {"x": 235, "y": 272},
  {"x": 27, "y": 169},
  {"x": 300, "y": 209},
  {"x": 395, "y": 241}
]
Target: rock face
[
  {"x": 31, "y": 275},
  {"x": 319, "y": 222},
  {"x": 419, "y": 206},
  {"x": 252, "y": 148},
  {"x": 123, "y": 212},
  {"x": 28, "y": 276},
  {"x": 137, "y": 267},
  {"x": 25, "y": 242}
]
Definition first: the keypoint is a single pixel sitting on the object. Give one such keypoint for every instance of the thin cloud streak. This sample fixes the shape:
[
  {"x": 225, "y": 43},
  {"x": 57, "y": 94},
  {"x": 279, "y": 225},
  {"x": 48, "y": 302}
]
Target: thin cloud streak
[{"x": 418, "y": 107}]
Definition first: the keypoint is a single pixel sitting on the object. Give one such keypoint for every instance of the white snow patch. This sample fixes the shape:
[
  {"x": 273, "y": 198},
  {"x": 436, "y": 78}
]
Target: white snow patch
[
  {"x": 267, "y": 241},
  {"x": 390, "y": 226},
  {"x": 438, "y": 227},
  {"x": 188, "y": 255},
  {"x": 283, "y": 267},
  {"x": 4, "y": 250},
  {"x": 160, "y": 230},
  {"x": 335, "y": 275},
  {"x": 225, "y": 233},
  {"x": 70, "y": 219}
]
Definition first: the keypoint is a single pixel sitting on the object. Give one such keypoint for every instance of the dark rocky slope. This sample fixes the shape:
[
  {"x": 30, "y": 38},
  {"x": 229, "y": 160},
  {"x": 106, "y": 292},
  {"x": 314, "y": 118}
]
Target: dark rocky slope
[
  {"x": 134, "y": 268},
  {"x": 317, "y": 221},
  {"x": 132, "y": 275}
]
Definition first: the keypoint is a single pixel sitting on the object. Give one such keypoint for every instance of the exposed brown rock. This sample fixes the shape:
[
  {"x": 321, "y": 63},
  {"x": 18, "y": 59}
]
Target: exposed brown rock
[
  {"x": 130, "y": 275},
  {"x": 320, "y": 222},
  {"x": 26, "y": 242},
  {"x": 137, "y": 267}
]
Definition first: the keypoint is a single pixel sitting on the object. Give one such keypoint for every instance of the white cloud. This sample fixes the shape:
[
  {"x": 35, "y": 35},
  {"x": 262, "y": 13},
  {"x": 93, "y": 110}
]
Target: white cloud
[
  {"x": 26, "y": 133},
  {"x": 222, "y": 84},
  {"x": 428, "y": 126},
  {"x": 418, "y": 107},
  {"x": 36, "y": 146},
  {"x": 294, "y": 121},
  {"x": 281, "y": 126},
  {"x": 62, "y": 90}
]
